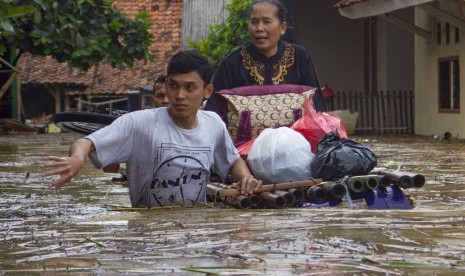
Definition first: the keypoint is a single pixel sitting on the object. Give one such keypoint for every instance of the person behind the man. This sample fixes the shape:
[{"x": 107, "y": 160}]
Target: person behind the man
[
  {"x": 169, "y": 151},
  {"x": 159, "y": 94}
]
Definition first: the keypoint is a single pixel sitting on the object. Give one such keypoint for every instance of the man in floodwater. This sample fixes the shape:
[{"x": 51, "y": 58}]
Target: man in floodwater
[{"x": 169, "y": 151}]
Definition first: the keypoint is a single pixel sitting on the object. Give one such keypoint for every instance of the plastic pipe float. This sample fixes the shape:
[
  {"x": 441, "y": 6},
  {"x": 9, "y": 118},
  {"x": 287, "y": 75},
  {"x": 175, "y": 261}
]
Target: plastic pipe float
[
  {"x": 383, "y": 180},
  {"x": 272, "y": 200},
  {"x": 316, "y": 194},
  {"x": 356, "y": 184},
  {"x": 362, "y": 183},
  {"x": 255, "y": 200},
  {"x": 403, "y": 179},
  {"x": 242, "y": 201},
  {"x": 288, "y": 196},
  {"x": 334, "y": 190},
  {"x": 298, "y": 194}
]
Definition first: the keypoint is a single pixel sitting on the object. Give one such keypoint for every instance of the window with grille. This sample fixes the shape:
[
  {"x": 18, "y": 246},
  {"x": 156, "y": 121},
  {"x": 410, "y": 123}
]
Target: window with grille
[
  {"x": 446, "y": 33},
  {"x": 449, "y": 85}
]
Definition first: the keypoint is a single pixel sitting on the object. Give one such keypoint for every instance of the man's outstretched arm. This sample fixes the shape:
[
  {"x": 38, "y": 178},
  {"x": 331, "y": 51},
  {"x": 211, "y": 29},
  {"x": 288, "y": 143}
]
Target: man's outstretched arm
[{"x": 68, "y": 167}]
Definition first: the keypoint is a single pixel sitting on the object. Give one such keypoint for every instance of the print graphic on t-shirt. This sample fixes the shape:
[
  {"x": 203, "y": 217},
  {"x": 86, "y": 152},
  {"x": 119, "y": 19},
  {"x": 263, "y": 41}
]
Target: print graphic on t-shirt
[{"x": 180, "y": 175}]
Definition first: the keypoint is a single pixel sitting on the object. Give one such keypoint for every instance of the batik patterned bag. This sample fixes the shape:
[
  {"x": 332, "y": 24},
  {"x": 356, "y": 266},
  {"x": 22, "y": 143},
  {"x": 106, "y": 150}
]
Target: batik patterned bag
[{"x": 248, "y": 110}]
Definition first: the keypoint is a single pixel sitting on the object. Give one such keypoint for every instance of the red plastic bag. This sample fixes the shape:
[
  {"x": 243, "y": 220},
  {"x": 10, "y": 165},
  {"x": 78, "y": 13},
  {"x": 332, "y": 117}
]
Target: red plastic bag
[
  {"x": 245, "y": 147},
  {"x": 314, "y": 125},
  {"x": 327, "y": 92}
]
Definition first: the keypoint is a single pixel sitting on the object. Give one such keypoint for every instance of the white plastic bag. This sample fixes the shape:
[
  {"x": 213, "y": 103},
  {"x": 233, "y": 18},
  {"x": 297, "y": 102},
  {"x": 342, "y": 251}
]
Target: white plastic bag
[{"x": 280, "y": 155}]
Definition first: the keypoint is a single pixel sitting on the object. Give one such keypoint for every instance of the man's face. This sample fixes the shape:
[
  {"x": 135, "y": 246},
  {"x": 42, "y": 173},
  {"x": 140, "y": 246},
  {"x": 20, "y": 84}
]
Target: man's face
[
  {"x": 185, "y": 93},
  {"x": 159, "y": 97}
]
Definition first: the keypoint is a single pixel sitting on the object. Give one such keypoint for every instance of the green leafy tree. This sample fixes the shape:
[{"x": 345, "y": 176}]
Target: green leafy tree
[
  {"x": 224, "y": 37},
  {"x": 81, "y": 32},
  {"x": 8, "y": 11}
]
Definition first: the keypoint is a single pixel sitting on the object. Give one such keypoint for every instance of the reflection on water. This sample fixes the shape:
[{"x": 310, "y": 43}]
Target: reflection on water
[{"x": 74, "y": 232}]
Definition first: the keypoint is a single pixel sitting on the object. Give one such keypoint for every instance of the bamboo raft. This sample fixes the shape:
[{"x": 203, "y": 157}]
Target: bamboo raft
[{"x": 380, "y": 189}]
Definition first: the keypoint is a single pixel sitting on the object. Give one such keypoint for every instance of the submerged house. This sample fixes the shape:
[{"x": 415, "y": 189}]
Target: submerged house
[
  {"x": 438, "y": 30},
  {"x": 439, "y": 80},
  {"x": 395, "y": 62}
]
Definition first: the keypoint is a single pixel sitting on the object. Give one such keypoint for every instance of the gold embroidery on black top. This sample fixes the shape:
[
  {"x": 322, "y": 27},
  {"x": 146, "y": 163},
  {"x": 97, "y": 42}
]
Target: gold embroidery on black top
[{"x": 279, "y": 69}]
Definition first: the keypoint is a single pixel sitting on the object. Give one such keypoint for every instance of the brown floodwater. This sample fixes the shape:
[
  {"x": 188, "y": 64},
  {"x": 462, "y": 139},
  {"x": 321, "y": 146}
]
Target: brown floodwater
[{"x": 42, "y": 232}]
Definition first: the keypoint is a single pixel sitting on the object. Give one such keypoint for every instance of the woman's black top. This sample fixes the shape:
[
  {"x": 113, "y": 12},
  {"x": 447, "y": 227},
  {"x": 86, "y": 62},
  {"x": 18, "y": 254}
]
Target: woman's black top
[{"x": 246, "y": 66}]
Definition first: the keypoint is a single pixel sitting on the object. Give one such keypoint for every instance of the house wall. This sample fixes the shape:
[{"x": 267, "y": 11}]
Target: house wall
[
  {"x": 428, "y": 120},
  {"x": 395, "y": 54},
  {"x": 336, "y": 45}
]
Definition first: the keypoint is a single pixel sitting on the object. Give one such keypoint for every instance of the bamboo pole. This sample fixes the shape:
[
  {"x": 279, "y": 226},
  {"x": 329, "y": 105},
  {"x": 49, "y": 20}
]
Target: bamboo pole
[
  {"x": 272, "y": 187},
  {"x": 240, "y": 201},
  {"x": 213, "y": 190}
]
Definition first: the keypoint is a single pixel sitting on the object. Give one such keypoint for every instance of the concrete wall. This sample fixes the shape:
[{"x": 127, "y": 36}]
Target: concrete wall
[
  {"x": 198, "y": 15},
  {"x": 336, "y": 45},
  {"x": 428, "y": 120},
  {"x": 396, "y": 54}
]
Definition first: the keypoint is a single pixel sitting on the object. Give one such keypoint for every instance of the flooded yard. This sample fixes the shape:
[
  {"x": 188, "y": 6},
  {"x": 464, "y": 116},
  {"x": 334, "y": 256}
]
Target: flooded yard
[{"x": 74, "y": 231}]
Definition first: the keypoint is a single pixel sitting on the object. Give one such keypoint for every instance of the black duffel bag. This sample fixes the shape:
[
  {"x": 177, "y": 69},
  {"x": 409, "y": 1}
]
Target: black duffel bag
[{"x": 337, "y": 157}]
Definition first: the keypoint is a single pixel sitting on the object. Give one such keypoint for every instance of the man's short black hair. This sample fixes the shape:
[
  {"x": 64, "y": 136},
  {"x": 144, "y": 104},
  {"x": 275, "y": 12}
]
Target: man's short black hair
[
  {"x": 188, "y": 61},
  {"x": 160, "y": 79}
]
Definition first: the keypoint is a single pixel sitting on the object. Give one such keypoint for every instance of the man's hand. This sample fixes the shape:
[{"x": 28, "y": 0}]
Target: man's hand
[
  {"x": 68, "y": 167},
  {"x": 65, "y": 167},
  {"x": 246, "y": 182},
  {"x": 248, "y": 185}
]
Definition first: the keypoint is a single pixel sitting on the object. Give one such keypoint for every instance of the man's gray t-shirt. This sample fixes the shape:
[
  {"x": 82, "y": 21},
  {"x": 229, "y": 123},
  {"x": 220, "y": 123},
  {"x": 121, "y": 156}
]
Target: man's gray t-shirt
[{"x": 166, "y": 165}]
